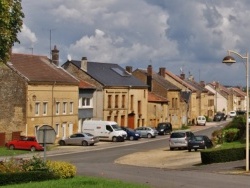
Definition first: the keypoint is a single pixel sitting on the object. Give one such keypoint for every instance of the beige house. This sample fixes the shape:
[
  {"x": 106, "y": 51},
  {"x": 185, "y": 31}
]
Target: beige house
[
  {"x": 47, "y": 95},
  {"x": 160, "y": 86},
  {"x": 119, "y": 96}
]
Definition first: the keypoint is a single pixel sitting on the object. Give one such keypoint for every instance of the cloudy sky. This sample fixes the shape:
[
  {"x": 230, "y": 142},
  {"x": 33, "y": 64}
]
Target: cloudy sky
[{"x": 192, "y": 36}]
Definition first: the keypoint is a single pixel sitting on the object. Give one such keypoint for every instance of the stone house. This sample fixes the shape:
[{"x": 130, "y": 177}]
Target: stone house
[
  {"x": 239, "y": 99},
  {"x": 162, "y": 87},
  {"x": 36, "y": 92},
  {"x": 119, "y": 96}
]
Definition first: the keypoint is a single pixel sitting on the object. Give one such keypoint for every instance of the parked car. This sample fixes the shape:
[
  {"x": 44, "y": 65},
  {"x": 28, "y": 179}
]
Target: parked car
[
  {"x": 179, "y": 139},
  {"x": 232, "y": 114},
  {"x": 199, "y": 142},
  {"x": 25, "y": 143},
  {"x": 164, "y": 128},
  {"x": 201, "y": 120},
  {"x": 131, "y": 134},
  {"x": 147, "y": 132},
  {"x": 81, "y": 139},
  {"x": 219, "y": 116}
]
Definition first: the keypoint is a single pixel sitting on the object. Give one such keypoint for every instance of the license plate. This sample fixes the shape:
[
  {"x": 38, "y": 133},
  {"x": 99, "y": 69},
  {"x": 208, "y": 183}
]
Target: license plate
[{"x": 195, "y": 146}]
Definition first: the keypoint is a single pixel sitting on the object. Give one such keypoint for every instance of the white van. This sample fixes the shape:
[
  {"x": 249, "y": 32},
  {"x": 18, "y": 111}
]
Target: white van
[{"x": 105, "y": 130}]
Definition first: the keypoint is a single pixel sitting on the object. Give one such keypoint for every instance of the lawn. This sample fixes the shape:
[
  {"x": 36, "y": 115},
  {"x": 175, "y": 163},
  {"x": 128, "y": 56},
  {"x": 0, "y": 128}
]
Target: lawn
[{"x": 79, "y": 181}]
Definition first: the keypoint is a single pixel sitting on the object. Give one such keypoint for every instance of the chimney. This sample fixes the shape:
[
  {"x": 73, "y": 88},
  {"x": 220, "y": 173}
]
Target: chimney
[
  {"x": 55, "y": 56},
  {"x": 202, "y": 83},
  {"x": 84, "y": 64},
  {"x": 149, "y": 77},
  {"x": 182, "y": 76},
  {"x": 129, "y": 69},
  {"x": 162, "y": 71}
]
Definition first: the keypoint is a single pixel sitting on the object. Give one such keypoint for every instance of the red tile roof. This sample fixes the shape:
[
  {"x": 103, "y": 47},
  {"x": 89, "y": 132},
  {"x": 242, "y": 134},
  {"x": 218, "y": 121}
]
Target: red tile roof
[
  {"x": 86, "y": 85},
  {"x": 37, "y": 68},
  {"x": 152, "y": 97}
]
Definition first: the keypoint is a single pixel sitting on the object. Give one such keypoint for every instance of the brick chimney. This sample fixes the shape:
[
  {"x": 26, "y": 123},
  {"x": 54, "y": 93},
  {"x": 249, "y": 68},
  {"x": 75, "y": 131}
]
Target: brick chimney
[
  {"x": 182, "y": 76},
  {"x": 149, "y": 77},
  {"x": 84, "y": 64},
  {"x": 55, "y": 56},
  {"x": 202, "y": 83},
  {"x": 129, "y": 69},
  {"x": 162, "y": 71}
]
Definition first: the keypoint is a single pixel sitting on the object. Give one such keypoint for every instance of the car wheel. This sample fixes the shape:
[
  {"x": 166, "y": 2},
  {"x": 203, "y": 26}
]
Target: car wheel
[
  {"x": 12, "y": 147},
  {"x": 32, "y": 148},
  {"x": 189, "y": 150},
  {"x": 84, "y": 143},
  {"x": 61, "y": 143},
  {"x": 149, "y": 135},
  {"x": 171, "y": 149},
  {"x": 195, "y": 149},
  {"x": 114, "y": 139},
  {"x": 91, "y": 144},
  {"x": 131, "y": 138}
]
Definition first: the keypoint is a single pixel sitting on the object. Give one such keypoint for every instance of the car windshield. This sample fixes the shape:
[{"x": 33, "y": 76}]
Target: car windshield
[
  {"x": 198, "y": 138},
  {"x": 177, "y": 135},
  {"x": 116, "y": 127}
]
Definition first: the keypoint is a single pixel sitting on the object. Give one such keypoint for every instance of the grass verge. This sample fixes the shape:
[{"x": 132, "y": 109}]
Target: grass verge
[{"x": 78, "y": 182}]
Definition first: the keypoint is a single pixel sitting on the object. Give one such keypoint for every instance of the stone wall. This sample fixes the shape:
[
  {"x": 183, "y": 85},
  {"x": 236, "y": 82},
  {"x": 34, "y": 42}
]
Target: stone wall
[{"x": 12, "y": 101}]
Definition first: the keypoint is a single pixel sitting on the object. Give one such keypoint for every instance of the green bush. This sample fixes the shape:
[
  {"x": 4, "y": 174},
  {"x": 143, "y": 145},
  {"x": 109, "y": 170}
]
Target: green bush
[
  {"x": 61, "y": 169},
  {"x": 231, "y": 135},
  {"x": 217, "y": 137},
  {"x": 222, "y": 155}
]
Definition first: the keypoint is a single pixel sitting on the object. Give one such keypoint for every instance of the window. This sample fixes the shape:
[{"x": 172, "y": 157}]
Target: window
[
  {"x": 37, "y": 107},
  {"x": 36, "y": 129},
  {"x": 109, "y": 101},
  {"x": 139, "y": 108},
  {"x": 57, "y": 129},
  {"x": 71, "y": 106},
  {"x": 45, "y": 108},
  {"x": 116, "y": 101},
  {"x": 123, "y": 101},
  {"x": 211, "y": 102},
  {"x": 64, "y": 107},
  {"x": 132, "y": 102},
  {"x": 57, "y": 107}
]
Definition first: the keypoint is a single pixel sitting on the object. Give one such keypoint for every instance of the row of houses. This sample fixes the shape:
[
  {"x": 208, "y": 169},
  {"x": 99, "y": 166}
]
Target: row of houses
[{"x": 36, "y": 91}]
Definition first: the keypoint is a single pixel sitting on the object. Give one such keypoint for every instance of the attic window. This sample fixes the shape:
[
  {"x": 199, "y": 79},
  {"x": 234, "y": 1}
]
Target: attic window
[{"x": 121, "y": 72}]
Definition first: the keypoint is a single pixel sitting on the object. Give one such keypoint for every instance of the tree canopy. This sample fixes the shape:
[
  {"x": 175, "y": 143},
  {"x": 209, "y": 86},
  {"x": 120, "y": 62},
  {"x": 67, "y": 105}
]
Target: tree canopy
[{"x": 11, "y": 21}]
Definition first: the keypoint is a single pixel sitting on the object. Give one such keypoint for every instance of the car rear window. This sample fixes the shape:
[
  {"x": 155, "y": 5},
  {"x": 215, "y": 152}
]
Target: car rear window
[{"x": 177, "y": 135}]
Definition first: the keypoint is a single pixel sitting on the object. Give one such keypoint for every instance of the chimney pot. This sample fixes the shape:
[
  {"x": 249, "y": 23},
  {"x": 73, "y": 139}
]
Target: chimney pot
[
  {"x": 55, "y": 56},
  {"x": 84, "y": 64}
]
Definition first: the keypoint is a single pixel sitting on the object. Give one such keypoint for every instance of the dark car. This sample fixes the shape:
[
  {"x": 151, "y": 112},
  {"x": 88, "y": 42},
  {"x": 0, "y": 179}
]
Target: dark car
[
  {"x": 164, "y": 128},
  {"x": 199, "y": 142},
  {"x": 131, "y": 134},
  {"x": 219, "y": 116}
]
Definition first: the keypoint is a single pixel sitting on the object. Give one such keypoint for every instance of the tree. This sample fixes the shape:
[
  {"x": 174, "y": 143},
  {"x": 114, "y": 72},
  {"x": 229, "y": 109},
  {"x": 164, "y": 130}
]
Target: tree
[{"x": 11, "y": 22}]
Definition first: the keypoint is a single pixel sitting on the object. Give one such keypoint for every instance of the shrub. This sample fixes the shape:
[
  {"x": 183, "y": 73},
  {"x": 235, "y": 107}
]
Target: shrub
[
  {"x": 231, "y": 135},
  {"x": 217, "y": 137},
  {"x": 61, "y": 169}
]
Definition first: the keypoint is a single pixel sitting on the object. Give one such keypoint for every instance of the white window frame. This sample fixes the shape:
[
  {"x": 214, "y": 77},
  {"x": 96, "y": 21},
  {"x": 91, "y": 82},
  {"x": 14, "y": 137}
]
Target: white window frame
[
  {"x": 37, "y": 108},
  {"x": 57, "y": 108},
  {"x": 85, "y": 102},
  {"x": 71, "y": 107},
  {"x": 45, "y": 108},
  {"x": 64, "y": 107}
]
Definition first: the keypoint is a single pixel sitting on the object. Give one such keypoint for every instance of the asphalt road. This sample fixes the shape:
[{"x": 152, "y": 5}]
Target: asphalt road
[{"x": 104, "y": 160}]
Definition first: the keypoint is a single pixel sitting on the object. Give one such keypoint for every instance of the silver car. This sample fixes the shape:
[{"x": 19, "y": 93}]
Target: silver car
[
  {"x": 82, "y": 139},
  {"x": 179, "y": 139},
  {"x": 147, "y": 132}
]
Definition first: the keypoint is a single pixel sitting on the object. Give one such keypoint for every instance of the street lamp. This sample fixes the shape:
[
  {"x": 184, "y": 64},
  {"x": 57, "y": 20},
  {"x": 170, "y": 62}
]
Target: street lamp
[{"x": 230, "y": 60}]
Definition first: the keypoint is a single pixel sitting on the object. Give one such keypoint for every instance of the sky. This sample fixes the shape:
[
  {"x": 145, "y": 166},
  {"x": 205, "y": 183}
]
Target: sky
[{"x": 188, "y": 36}]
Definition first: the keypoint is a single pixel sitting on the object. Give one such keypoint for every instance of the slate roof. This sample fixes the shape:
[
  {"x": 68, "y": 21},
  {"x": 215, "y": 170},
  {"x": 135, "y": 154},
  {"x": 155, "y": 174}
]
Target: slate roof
[
  {"x": 37, "y": 68},
  {"x": 109, "y": 74},
  {"x": 162, "y": 81}
]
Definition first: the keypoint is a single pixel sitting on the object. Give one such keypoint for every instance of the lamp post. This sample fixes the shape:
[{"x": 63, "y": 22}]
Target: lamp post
[{"x": 230, "y": 60}]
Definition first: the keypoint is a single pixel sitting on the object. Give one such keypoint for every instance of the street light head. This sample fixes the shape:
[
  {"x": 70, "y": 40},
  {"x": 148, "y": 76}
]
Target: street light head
[{"x": 228, "y": 60}]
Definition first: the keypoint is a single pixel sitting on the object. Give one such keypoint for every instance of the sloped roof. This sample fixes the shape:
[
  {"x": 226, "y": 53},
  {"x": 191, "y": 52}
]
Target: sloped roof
[
  {"x": 109, "y": 74},
  {"x": 239, "y": 92},
  {"x": 37, "y": 68},
  {"x": 181, "y": 81},
  {"x": 153, "y": 97},
  {"x": 162, "y": 81},
  {"x": 196, "y": 85},
  {"x": 86, "y": 85}
]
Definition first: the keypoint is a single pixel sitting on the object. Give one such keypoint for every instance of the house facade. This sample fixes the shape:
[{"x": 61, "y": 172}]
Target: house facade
[
  {"x": 43, "y": 93},
  {"x": 119, "y": 96}
]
